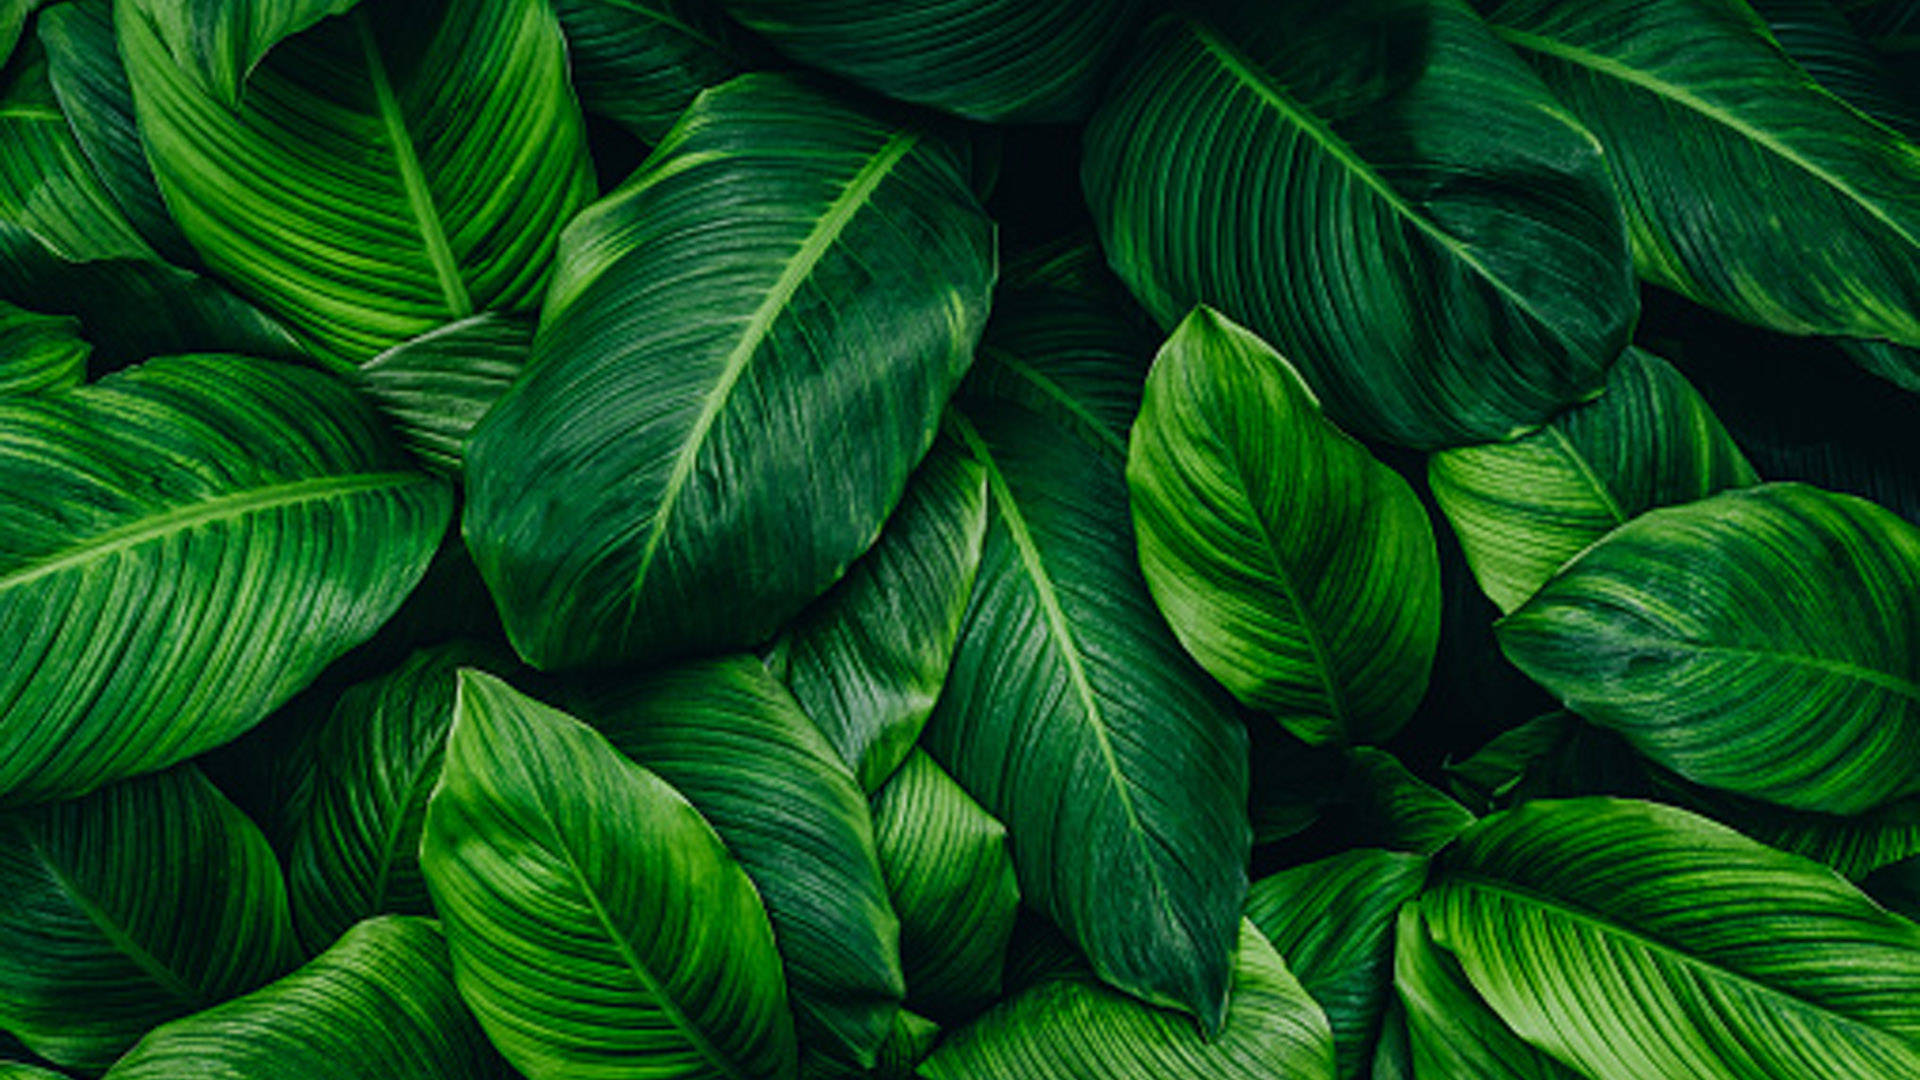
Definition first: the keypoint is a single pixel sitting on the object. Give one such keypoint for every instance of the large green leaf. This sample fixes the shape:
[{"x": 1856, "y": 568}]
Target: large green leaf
[
  {"x": 1523, "y": 508},
  {"x": 1639, "y": 942},
  {"x": 145, "y": 901},
  {"x": 378, "y": 177},
  {"x": 1382, "y": 191},
  {"x": 1300, "y": 571},
  {"x": 642, "y": 62},
  {"x": 1073, "y": 1028},
  {"x": 1817, "y": 35},
  {"x": 380, "y": 1003},
  {"x": 182, "y": 547},
  {"x": 1764, "y": 641},
  {"x": 868, "y": 659},
  {"x": 1073, "y": 716},
  {"x": 745, "y": 352},
  {"x": 436, "y": 387},
  {"x": 39, "y": 352},
  {"x": 951, "y": 879},
  {"x": 734, "y": 742},
  {"x": 995, "y": 60},
  {"x": 1747, "y": 187},
  {"x": 1450, "y": 1031},
  {"x": 595, "y": 919}
]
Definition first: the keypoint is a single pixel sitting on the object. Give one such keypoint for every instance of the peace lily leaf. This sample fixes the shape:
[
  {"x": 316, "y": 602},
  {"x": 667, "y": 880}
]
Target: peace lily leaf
[
  {"x": 1523, "y": 508},
  {"x": 182, "y": 547},
  {"x": 1710, "y": 130},
  {"x": 913, "y": 1038},
  {"x": 1298, "y": 570},
  {"x": 1386, "y": 805},
  {"x": 14, "y": 1070},
  {"x": 595, "y": 919},
  {"x": 730, "y": 739},
  {"x": 1761, "y": 641},
  {"x": 1450, "y": 1031},
  {"x": 1392, "y": 1055},
  {"x": 436, "y": 387},
  {"x": 867, "y": 660},
  {"x": 1031, "y": 61},
  {"x": 1382, "y": 191},
  {"x": 358, "y": 793},
  {"x": 381, "y": 1002},
  {"x": 1817, "y": 35},
  {"x": 952, "y": 882},
  {"x": 47, "y": 185},
  {"x": 616, "y": 524},
  {"x": 39, "y": 352},
  {"x": 142, "y": 902},
  {"x": 379, "y": 177},
  {"x": 642, "y": 62},
  {"x": 1639, "y": 942},
  {"x": 13, "y": 18},
  {"x": 1072, "y": 1028}
]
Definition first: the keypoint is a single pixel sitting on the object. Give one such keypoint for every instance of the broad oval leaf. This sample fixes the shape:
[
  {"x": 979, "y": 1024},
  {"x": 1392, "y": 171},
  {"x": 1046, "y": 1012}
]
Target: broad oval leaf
[
  {"x": 436, "y": 387},
  {"x": 380, "y": 1003},
  {"x": 182, "y": 547},
  {"x": 1382, "y": 191},
  {"x": 1301, "y": 572},
  {"x": 640, "y": 63},
  {"x": 39, "y": 352},
  {"x": 786, "y": 272},
  {"x": 595, "y": 919},
  {"x": 1073, "y": 716},
  {"x": 1450, "y": 1031},
  {"x": 143, "y": 902},
  {"x": 1639, "y": 942},
  {"x": 1072, "y": 1028},
  {"x": 378, "y": 177},
  {"x": 1763, "y": 641},
  {"x": 1712, "y": 135}
]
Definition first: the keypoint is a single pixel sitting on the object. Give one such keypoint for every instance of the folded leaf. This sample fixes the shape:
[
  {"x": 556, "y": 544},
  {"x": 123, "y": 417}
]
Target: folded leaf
[
  {"x": 1523, "y": 508},
  {"x": 1297, "y": 569},
  {"x": 1075, "y": 719},
  {"x": 437, "y": 386},
  {"x": 1450, "y": 1031},
  {"x": 140, "y": 903},
  {"x": 595, "y": 919},
  {"x": 380, "y": 1003},
  {"x": 182, "y": 547},
  {"x": 1639, "y": 942},
  {"x": 745, "y": 351},
  {"x": 39, "y": 352},
  {"x": 1764, "y": 641},
  {"x": 1382, "y": 191},
  {"x": 642, "y": 62}
]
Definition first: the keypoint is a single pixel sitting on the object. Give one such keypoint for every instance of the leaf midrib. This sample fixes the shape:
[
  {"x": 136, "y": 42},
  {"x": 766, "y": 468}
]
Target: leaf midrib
[
  {"x": 1053, "y": 391},
  {"x": 1843, "y": 668},
  {"x": 111, "y": 929},
  {"x": 1592, "y": 479}
]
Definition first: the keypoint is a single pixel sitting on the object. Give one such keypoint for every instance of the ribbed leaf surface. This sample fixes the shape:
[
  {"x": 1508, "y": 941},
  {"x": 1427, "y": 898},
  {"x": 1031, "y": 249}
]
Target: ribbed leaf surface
[
  {"x": 1450, "y": 1031},
  {"x": 39, "y": 352},
  {"x": 642, "y": 62},
  {"x": 436, "y": 387}
]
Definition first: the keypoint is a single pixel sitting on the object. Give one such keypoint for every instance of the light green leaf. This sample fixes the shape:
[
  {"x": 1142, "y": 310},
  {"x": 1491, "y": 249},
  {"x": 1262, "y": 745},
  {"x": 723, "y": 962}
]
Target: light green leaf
[
  {"x": 1763, "y": 641},
  {"x": 1073, "y": 1028},
  {"x": 1639, "y": 942},
  {"x": 1523, "y": 508},
  {"x": 379, "y": 177},
  {"x": 1300, "y": 572},
  {"x": 39, "y": 352},
  {"x": 1382, "y": 191},
  {"x": 952, "y": 882},
  {"x": 1074, "y": 718},
  {"x": 380, "y": 1003},
  {"x": 1332, "y": 921},
  {"x": 182, "y": 547},
  {"x": 436, "y": 387},
  {"x": 142, "y": 902},
  {"x": 596, "y": 921},
  {"x": 14, "y": 1070},
  {"x": 640, "y": 63},
  {"x": 615, "y": 523},
  {"x": 1747, "y": 187}
]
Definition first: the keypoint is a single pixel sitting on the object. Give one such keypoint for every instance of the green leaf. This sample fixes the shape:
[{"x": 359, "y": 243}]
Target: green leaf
[
  {"x": 15, "y": 1070},
  {"x": 182, "y": 547},
  {"x": 13, "y": 19},
  {"x": 1387, "y": 806},
  {"x": 381, "y": 1002},
  {"x": 1300, "y": 572},
  {"x": 1897, "y": 887},
  {"x": 1764, "y": 641},
  {"x": 1639, "y": 942},
  {"x": 358, "y": 786},
  {"x": 39, "y": 352},
  {"x": 142, "y": 902},
  {"x": 640, "y": 63},
  {"x": 595, "y": 919},
  {"x": 1005, "y": 61},
  {"x": 436, "y": 387},
  {"x": 913, "y": 1038},
  {"x": 952, "y": 882},
  {"x": 1523, "y": 508},
  {"x": 754, "y": 389},
  {"x": 1333, "y": 923},
  {"x": 1817, "y": 35},
  {"x": 867, "y": 660},
  {"x": 1712, "y": 134},
  {"x": 730, "y": 739},
  {"x": 1073, "y": 1028},
  {"x": 1382, "y": 191},
  {"x": 379, "y": 177},
  {"x": 1074, "y": 718}
]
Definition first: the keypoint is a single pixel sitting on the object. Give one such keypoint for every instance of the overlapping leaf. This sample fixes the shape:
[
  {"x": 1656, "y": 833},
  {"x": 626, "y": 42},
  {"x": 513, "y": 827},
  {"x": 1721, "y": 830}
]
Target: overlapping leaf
[
  {"x": 39, "y": 352},
  {"x": 1450, "y": 1031},
  {"x": 436, "y": 387},
  {"x": 642, "y": 62}
]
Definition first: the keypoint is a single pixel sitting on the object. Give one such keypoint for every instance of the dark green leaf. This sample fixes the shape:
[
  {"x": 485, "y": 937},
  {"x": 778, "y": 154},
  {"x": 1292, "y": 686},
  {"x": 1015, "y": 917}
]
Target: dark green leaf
[
  {"x": 640, "y": 63},
  {"x": 1386, "y": 805},
  {"x": 436, "y": 387},
  {"x": 39, "y": 352}
]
